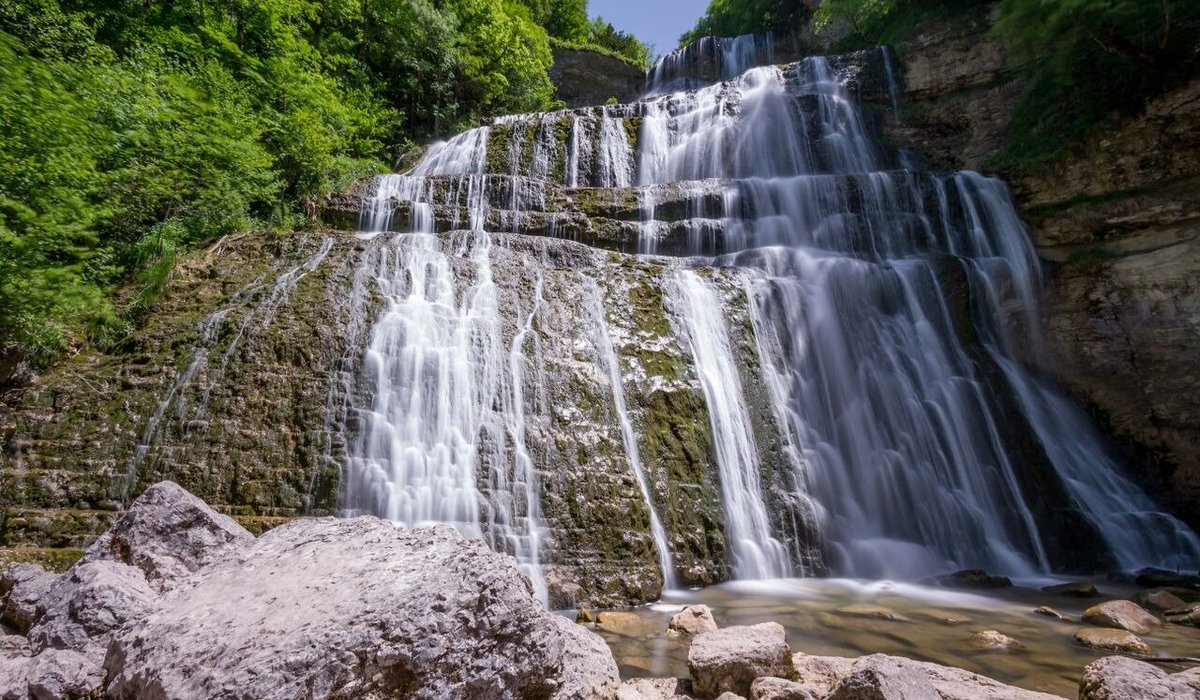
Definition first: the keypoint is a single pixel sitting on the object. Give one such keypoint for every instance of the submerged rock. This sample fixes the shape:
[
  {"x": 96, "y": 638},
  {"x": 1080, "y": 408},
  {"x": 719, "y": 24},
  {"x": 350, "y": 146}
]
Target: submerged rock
[
  {"x": 1081, "y": 589},
  {"x": 730, "y": 659},
  {"x": 1112, "y": 640},
  {"x": 1121, "y": 614},
  {"x": 872, "y": 611},
  {"x": 324, "y": 608},
  {"x": 974, "y": 578},
  {"x": 1157, "y": 599},
  {"x": 693, "y": 620},
  {"x": 1050, "y": 612},
  {"x": 992, "y": 640},
  {"x": 1122, "y": 678},
  {"x": 168, "y": 533}
]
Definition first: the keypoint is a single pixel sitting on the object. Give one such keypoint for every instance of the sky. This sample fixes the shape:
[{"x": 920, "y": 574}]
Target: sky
[{"x": 657, "y": 22}]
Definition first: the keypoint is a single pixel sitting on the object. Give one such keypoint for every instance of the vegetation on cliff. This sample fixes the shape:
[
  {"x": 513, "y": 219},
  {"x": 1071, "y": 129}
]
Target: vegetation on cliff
[
  {"x": 734, "y": 17},
  {"x": 1085, "y": 60},
  {"x": 132, "y": 131}
]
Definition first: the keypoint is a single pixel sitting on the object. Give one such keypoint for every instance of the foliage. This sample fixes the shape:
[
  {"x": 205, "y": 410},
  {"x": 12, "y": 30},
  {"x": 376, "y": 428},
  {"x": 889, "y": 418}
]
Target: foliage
[
  {"x": 734, "y": 17},
  {"x": 605, "y": 37},
  {"x": 132, "y": 131}
]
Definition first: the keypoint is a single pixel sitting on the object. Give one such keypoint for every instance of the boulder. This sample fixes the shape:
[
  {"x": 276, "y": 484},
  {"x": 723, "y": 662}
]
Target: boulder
[
  {"x": 881, "y": 677},
  {"x": 973, "y": 578},
  {"x": 1157, "y": 599},
  {"x": 649, "y": 689},
  {"x": 168, "y": 533},
  {"x": 693, "y": 620},
  {"x": 1080, "y": 589},
  {"x": 1186, "y": 614},
  {"x": 992, "y": 640},
  {"x": 821, "y": 674},
  {"x": 1121, "y": 614},
  {"x": 322, "y": 608},
  {"x": 730, "y": 659},
  {"x": 54, "y": 674},
  {"x": 778, "y": 689},
  {"x": 23, "y": 591},
  {"x": 1112, "y": 640},
  {"x": 730, "y": 696},
  {"x": 1123, "y": 678},
  {"x": 88, "y": 604}
]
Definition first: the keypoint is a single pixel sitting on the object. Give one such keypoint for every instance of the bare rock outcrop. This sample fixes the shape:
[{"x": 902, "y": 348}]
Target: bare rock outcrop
[
  {"x": 730, "y": 659},
  {"x": 1122, "y": 678},
  {"x": 338, "y": 608}
]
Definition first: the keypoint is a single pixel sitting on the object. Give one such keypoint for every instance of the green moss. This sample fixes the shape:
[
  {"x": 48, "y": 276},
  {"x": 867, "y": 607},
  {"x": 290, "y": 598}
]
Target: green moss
[
  {"x": 633, "y": 130},
  {"x": 499, "y": 144},
  {"x": 1091, "y": 259},
  {"x": 54, "y": 560}
]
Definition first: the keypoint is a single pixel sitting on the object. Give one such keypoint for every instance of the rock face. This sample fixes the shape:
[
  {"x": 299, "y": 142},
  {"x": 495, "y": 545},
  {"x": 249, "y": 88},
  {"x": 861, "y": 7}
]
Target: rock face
[
  {"x": 587, "y": 78},
  {"x": 1121, "y": 614},
  {"x": 324, "y": 608},
  {"x": 728, "y": 660},
  {"x": 1122, "y": 678}
]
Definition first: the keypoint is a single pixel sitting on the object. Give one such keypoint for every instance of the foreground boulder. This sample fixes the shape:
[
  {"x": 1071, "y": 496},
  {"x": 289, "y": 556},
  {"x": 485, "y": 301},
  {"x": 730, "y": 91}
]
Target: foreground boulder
[
  {"x": 1122, "y": 678},
  {"x": 52, "y": 674},
  {"x": 23, "y": 591},
  {"x": 88, "y": 604},
  {"x": 168, "y": 533},
  {"x": 728, "y": 660},
  {"x": 357, "y": 608},
  {"x": 883, "y": 677},
  {"x": 1121, "y": 614}
]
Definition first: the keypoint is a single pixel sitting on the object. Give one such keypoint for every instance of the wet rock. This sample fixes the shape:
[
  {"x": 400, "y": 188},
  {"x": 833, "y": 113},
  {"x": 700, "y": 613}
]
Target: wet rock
[
  {"x": 1122, "y": 678},
  {"x": 1187, "y": 614},
  {"x": 320, "y": 608},
  {"x": 1159, "y": 578},
  {"x": 821, "y": 674},
  {"x": 992, "y": 640},
  {"x": 88, "y": 604},
  {"x": 1157, "y": 599},
  {"x": 1121, "y": 614},
  {"x": 1112, "y": 640},
  {"x": 23, "y": 590},
  {"x": 872, "y": 611},
  {"x": 778, "y": 689},
  {"x": 730, "y": 696},
  {"x": 693, "y": 620},
  {"x": 585, "y": 617},
  {"x": 648, "y": 689},
  {"x": 561, "y": 594},
  {"x": 1050, "y": 612},
  {"x": 168, "y": 533},
  {"x": 1080, "y": 589},
  {"x": 730, "y": 659},
  {"x": 974, "y": 578},
  {"x": 54, "y": 674}
]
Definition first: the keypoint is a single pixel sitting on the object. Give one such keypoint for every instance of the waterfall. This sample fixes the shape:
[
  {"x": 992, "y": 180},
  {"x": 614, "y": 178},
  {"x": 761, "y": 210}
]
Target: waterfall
[
  {"x": 756, "y": 553},
  {"x": 893, "y": 311}
]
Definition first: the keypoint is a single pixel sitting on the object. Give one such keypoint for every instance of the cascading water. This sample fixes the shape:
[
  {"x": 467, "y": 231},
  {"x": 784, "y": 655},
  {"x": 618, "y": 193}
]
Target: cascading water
[{"x": 886, "y": 301}]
